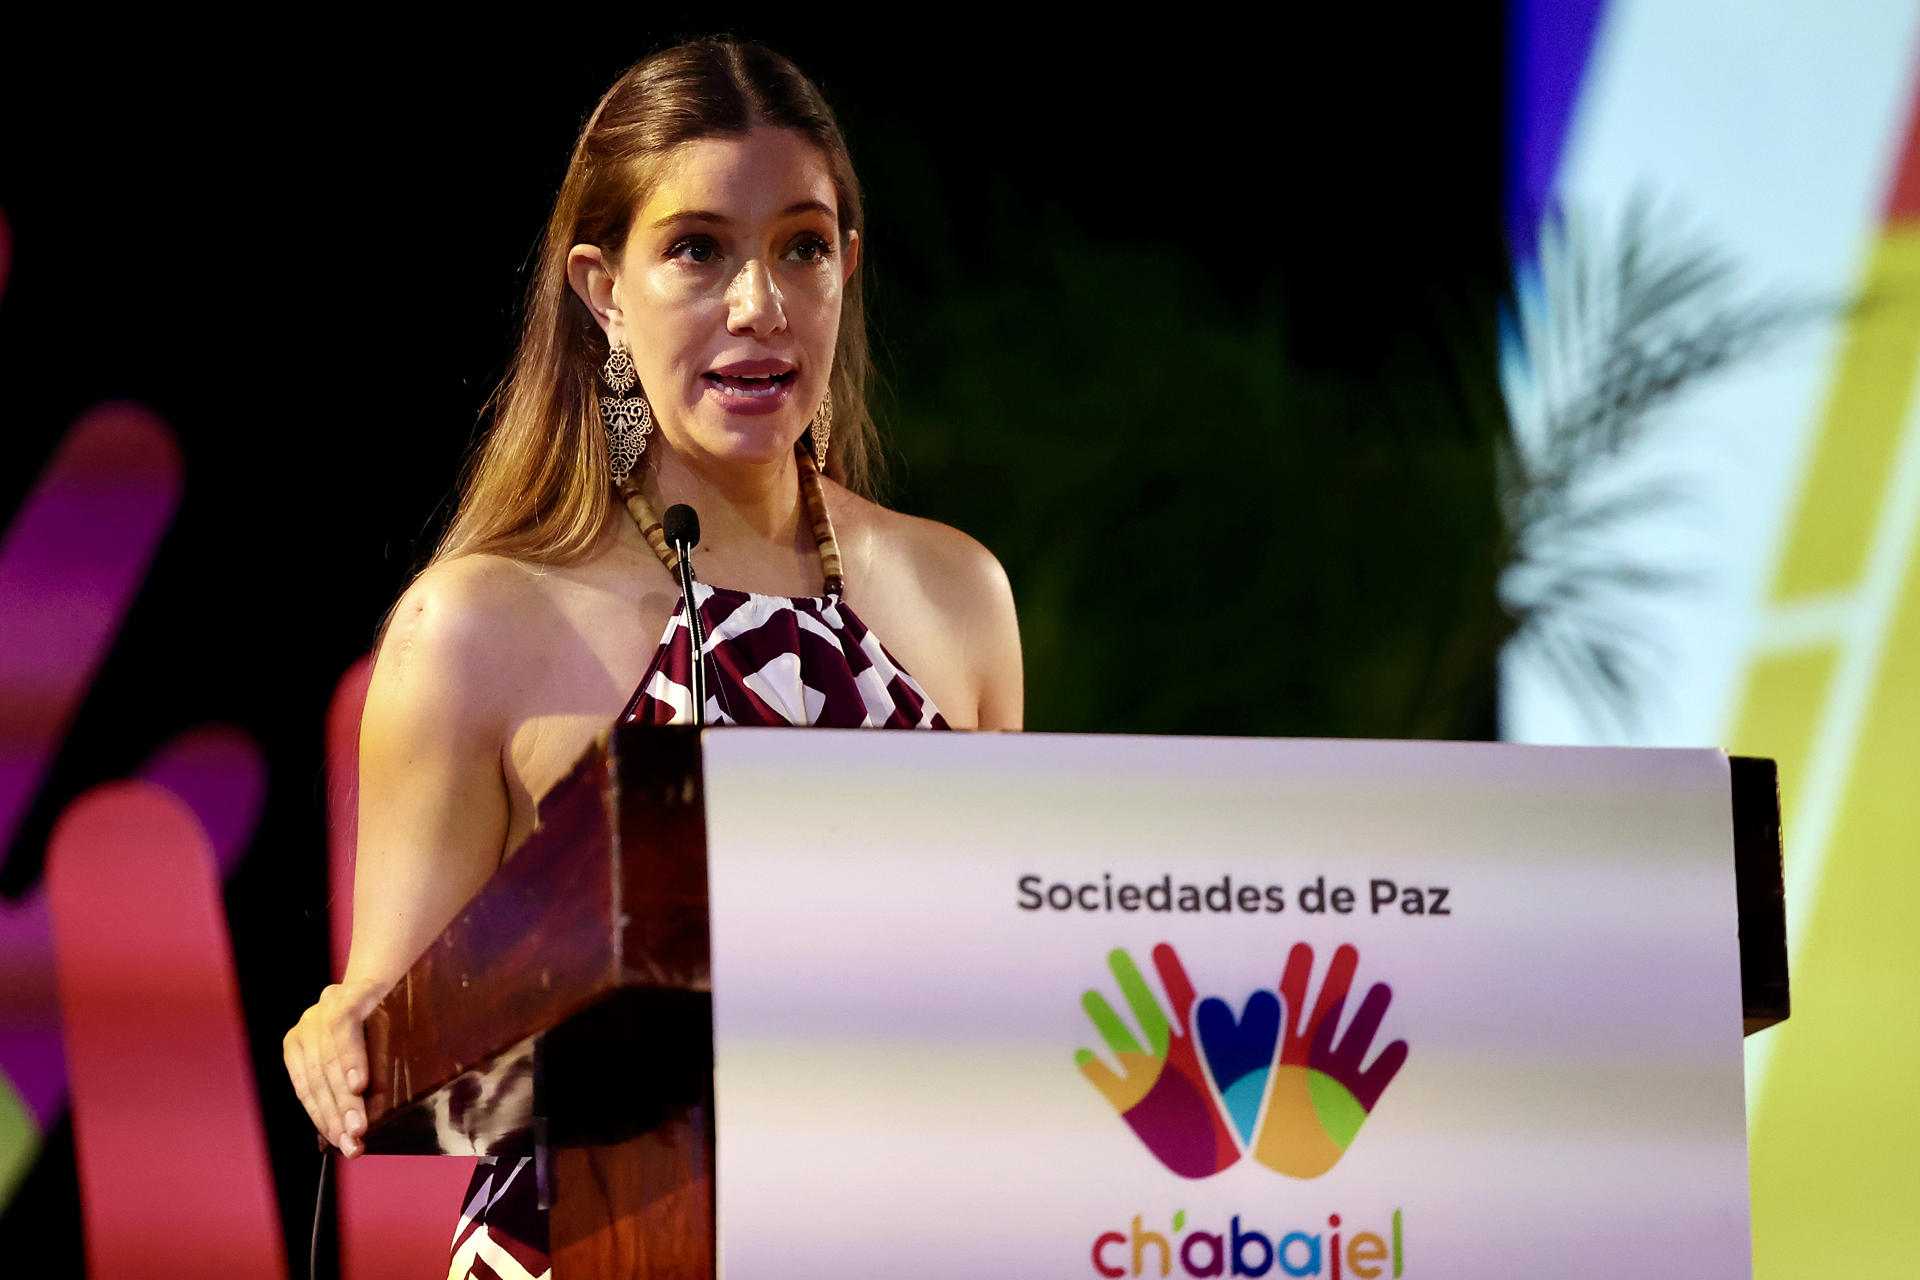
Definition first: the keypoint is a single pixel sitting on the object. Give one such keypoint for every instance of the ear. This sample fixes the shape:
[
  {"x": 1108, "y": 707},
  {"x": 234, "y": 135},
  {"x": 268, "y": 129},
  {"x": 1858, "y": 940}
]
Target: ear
[
  {"x": 593, "y": 280},
  {"x": 851, "y": 257}
]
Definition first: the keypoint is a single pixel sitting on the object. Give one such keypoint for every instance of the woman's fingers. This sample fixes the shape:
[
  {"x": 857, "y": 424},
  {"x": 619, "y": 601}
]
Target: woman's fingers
[
  {"x": 295, "y": 1057},
  {"x": 326, "y": 1061},
  {"x": 350, "y": 1039},
  {"x": 326, "y": 1058},
  {"x": 324, "y": 1109},
  {"x": 310, "y": 1089},
  {"x": 339, "y": 1050}
]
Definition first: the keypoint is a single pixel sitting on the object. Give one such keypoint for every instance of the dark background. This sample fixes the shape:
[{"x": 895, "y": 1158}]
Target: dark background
[{"x": 1192, "y": 324}]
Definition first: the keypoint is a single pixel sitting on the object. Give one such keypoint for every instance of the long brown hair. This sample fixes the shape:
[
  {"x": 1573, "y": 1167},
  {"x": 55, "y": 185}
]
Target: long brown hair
[{"x": 538, "y": 488}]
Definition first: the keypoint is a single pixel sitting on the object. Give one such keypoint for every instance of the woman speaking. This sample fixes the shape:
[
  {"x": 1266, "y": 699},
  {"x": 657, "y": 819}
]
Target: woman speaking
[{"x": 693, "y": 336}]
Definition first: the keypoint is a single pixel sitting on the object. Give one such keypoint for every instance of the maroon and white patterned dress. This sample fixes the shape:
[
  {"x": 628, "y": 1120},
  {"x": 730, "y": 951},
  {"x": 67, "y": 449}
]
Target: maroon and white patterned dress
[{"x": 771, "y": 660}]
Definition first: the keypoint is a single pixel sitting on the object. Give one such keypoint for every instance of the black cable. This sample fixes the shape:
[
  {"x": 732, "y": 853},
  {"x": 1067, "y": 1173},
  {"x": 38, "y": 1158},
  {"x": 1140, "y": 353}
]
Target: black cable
[{"x": 319, "y": 1200}]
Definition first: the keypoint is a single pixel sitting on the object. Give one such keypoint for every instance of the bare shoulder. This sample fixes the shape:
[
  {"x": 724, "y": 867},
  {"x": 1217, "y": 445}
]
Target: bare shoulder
[
  {"x": 946, "y": 597},
  {"x": 459, "y": 630},
  {"x": 957, "y": 574},
  {"x": 464, "y": 608}
]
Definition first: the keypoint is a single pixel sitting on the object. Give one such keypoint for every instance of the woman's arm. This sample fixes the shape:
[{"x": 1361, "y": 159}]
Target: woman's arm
[{"x": 433, "y": 815}]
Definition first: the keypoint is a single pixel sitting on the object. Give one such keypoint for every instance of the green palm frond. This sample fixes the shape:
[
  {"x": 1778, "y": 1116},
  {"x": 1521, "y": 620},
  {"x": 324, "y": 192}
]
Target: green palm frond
[{"x": 1609, "y": 329}]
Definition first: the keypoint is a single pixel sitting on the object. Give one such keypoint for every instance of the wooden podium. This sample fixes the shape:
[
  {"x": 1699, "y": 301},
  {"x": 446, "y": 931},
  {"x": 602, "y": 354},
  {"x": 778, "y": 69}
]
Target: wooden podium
[{"x": 566, "y": 1014}]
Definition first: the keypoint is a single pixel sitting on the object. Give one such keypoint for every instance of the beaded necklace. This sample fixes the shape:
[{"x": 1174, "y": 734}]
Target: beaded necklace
[{"x": 812, "y": 493}]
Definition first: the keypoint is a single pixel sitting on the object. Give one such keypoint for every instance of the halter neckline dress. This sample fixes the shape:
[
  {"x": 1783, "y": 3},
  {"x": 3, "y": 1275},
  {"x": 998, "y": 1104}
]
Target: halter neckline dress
[
  {"x": 780, "y": 660},
  {"x": 771, "y": 660}
]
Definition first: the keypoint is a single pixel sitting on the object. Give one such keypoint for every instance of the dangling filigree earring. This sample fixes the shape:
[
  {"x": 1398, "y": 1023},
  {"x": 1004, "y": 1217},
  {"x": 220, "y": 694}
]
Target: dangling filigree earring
[
  {"x": 628, "y": 418},
  {"x": 822, "y": 429}
]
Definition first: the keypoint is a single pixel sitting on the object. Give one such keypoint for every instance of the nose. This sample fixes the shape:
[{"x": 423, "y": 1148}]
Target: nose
[{"x": 754, "y": 302}]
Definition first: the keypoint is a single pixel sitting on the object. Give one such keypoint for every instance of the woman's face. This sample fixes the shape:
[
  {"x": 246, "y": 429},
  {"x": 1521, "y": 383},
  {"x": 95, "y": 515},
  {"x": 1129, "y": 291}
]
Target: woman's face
[{"x": 728, "y": 294}]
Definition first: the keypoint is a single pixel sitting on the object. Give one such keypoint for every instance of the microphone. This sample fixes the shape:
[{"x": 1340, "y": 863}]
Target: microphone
[
  {"x": 682, "y": 528},
  {"x": 681, "y": 524}
]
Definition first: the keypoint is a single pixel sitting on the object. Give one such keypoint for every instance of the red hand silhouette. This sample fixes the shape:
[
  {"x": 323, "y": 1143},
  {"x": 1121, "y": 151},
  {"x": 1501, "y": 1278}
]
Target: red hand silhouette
[{"x": 1160, "y": 1089}]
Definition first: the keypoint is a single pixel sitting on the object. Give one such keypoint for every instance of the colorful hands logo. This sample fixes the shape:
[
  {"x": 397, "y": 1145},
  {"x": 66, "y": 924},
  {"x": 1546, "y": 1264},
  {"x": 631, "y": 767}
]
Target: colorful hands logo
[{"x": 1206, "y": 1088}]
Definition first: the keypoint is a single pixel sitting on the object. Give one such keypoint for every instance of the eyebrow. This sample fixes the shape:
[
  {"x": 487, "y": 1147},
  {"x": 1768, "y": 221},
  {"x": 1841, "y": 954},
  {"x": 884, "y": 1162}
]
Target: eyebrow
[{"x": 702, "y": 215}]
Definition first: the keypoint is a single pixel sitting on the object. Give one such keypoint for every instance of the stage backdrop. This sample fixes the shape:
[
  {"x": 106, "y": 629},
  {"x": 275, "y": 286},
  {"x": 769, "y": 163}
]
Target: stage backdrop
[
  {"x": 1057, "y": 1006},
  {"x": 1780, "y": 506}
]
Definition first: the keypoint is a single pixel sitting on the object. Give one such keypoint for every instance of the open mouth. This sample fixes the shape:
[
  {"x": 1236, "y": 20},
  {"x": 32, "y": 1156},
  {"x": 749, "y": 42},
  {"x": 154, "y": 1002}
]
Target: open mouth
[{"x": 750, "y": 387}]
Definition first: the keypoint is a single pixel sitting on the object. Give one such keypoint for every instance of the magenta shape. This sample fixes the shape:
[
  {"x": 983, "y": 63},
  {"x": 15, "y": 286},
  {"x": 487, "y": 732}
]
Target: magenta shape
[
  {"x": 1342, "y": 1061},
  {"x": 1177, "y": 1119},
  {"x": 1177, "y": 1122},
  {"x": 220, "y": 774},
  {"x": 71, "y": 564},
  {"x": 343, "y": 800},
  {"x": 30, "y": 1052}
]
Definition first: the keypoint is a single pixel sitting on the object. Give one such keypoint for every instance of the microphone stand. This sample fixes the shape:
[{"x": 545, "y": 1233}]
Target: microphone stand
[{"x": 682, "y": 528}]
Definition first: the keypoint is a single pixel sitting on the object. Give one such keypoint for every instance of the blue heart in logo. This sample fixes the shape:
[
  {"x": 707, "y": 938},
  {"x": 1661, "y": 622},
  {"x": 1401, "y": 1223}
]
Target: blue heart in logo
[{"x": 1240, "y": 1054}]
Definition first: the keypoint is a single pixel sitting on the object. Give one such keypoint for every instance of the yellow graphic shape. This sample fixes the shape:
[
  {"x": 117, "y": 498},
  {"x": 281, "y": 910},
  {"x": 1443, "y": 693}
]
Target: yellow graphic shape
[
  {"x": 1837, "y": 1119},
  {"x": 1785, "y": 695},
  {"x": 1833, "y": 530},
  {"x": 1123, "y": 1088},
  {"x": 1291, "y": 1139},
  {"x": 1839, "y": 1122}
]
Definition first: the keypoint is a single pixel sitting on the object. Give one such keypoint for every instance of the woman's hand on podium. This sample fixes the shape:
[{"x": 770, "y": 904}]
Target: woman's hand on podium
[{"x": 326, "y": 1056}]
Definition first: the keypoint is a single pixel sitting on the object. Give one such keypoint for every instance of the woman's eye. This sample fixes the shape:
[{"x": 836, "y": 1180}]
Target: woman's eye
[
  {"x": 810, "y": 248},
  {"x": 692, "y": 249}
]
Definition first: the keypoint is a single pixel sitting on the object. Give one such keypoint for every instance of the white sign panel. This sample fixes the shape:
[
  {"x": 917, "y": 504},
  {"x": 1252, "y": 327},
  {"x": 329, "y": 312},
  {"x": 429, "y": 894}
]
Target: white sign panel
[{"x": 1052, "y": 1006}]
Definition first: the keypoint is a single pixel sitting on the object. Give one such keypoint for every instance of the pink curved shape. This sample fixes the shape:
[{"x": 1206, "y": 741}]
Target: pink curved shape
[
  {"x": 72, "y": 563},
  {"x": 397, "y": 1213},
  {"x": 220, "y": 774},
  {"x": 174, "y": 1178},
  {"x": 343, "y": 800}
]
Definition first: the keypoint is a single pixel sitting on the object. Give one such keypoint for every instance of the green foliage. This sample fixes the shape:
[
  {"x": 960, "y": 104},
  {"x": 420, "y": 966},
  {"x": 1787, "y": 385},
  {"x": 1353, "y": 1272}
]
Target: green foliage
[
  {"x": 1203, "y": 536},
  {"x": 1612, "y": 325}
]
